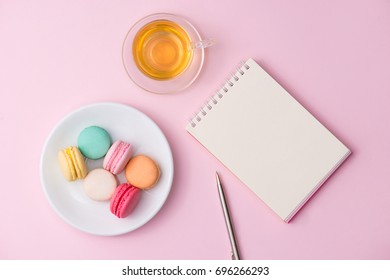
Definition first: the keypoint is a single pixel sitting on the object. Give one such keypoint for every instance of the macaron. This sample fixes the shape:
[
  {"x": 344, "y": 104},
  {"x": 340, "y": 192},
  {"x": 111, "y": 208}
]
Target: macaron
[
  {"x": 124, "y": 200},
  {"x": 94, "y": 142},
  {"x": 72, "y": 163},
  {"x": 117, "y": 157},
  {"x": 99, "y": 184},
  {"x": 142, "y": 172}
]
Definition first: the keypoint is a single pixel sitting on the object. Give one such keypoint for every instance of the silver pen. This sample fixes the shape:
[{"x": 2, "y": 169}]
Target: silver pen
[{"x": 235, "y": 255}]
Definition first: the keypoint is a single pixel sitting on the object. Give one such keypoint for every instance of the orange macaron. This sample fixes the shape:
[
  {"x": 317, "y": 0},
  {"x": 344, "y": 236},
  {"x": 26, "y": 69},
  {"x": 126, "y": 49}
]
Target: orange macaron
[{"x": 142, "y": 172}]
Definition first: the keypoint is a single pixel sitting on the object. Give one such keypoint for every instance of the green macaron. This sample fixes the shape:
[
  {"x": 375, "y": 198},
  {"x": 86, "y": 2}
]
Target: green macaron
[{"x": 94, "y": 142}]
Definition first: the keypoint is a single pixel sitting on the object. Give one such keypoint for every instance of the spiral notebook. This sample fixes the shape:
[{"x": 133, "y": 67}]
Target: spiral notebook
[{"x": 268, "y": 139}]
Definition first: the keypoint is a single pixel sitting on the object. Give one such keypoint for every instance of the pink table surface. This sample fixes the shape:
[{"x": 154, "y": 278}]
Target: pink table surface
[{"x": 333, "y": 56}]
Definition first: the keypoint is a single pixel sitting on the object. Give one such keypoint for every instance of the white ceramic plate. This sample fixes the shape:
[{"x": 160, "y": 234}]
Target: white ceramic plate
[{"x": 124, "y": 123}]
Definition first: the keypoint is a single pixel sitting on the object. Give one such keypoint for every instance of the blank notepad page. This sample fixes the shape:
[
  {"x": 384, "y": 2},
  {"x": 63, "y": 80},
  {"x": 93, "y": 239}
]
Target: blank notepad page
[{"x": 268, "y": 140}]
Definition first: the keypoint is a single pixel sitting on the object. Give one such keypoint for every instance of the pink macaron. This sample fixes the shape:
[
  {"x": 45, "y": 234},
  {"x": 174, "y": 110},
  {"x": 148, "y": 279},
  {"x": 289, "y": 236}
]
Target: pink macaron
[
  {"x": 124, "y": 200},
  {"x": 117, "y": 157}
]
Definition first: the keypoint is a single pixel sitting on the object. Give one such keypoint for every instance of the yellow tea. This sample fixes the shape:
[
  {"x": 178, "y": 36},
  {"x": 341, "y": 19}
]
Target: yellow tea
[{"x": 161, "y": 49}]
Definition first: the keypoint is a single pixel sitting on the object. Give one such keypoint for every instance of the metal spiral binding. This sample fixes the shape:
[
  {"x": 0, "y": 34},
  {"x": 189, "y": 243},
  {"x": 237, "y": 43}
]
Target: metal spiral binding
[{"x": 219, "y": 94}]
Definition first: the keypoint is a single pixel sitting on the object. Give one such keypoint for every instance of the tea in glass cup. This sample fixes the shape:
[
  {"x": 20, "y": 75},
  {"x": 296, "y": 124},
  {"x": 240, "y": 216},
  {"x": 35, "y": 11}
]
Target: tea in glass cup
[
  {"x": 163, "y": 53},
  {"x": 161, "y": 49}
]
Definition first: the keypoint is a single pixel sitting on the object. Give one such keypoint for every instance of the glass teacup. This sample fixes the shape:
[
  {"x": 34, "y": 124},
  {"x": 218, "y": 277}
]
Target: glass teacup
[{"x": 163, "y": 53}]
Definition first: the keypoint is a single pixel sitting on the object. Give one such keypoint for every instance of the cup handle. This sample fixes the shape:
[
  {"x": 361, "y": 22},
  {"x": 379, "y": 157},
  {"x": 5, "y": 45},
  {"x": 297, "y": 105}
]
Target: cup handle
[{"x": 202, "y": 44}]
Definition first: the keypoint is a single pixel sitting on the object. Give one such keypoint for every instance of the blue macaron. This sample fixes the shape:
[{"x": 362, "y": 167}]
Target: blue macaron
[{"x": 94, "y": 142}]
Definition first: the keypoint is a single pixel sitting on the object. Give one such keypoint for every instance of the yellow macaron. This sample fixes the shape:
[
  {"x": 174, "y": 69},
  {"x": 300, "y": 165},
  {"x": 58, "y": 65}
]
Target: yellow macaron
[{"x": 72, "y": 163}]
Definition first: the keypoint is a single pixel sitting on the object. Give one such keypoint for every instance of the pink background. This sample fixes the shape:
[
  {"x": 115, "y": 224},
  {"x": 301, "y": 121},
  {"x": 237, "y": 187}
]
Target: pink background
[{"x": 333, "y": 56}]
